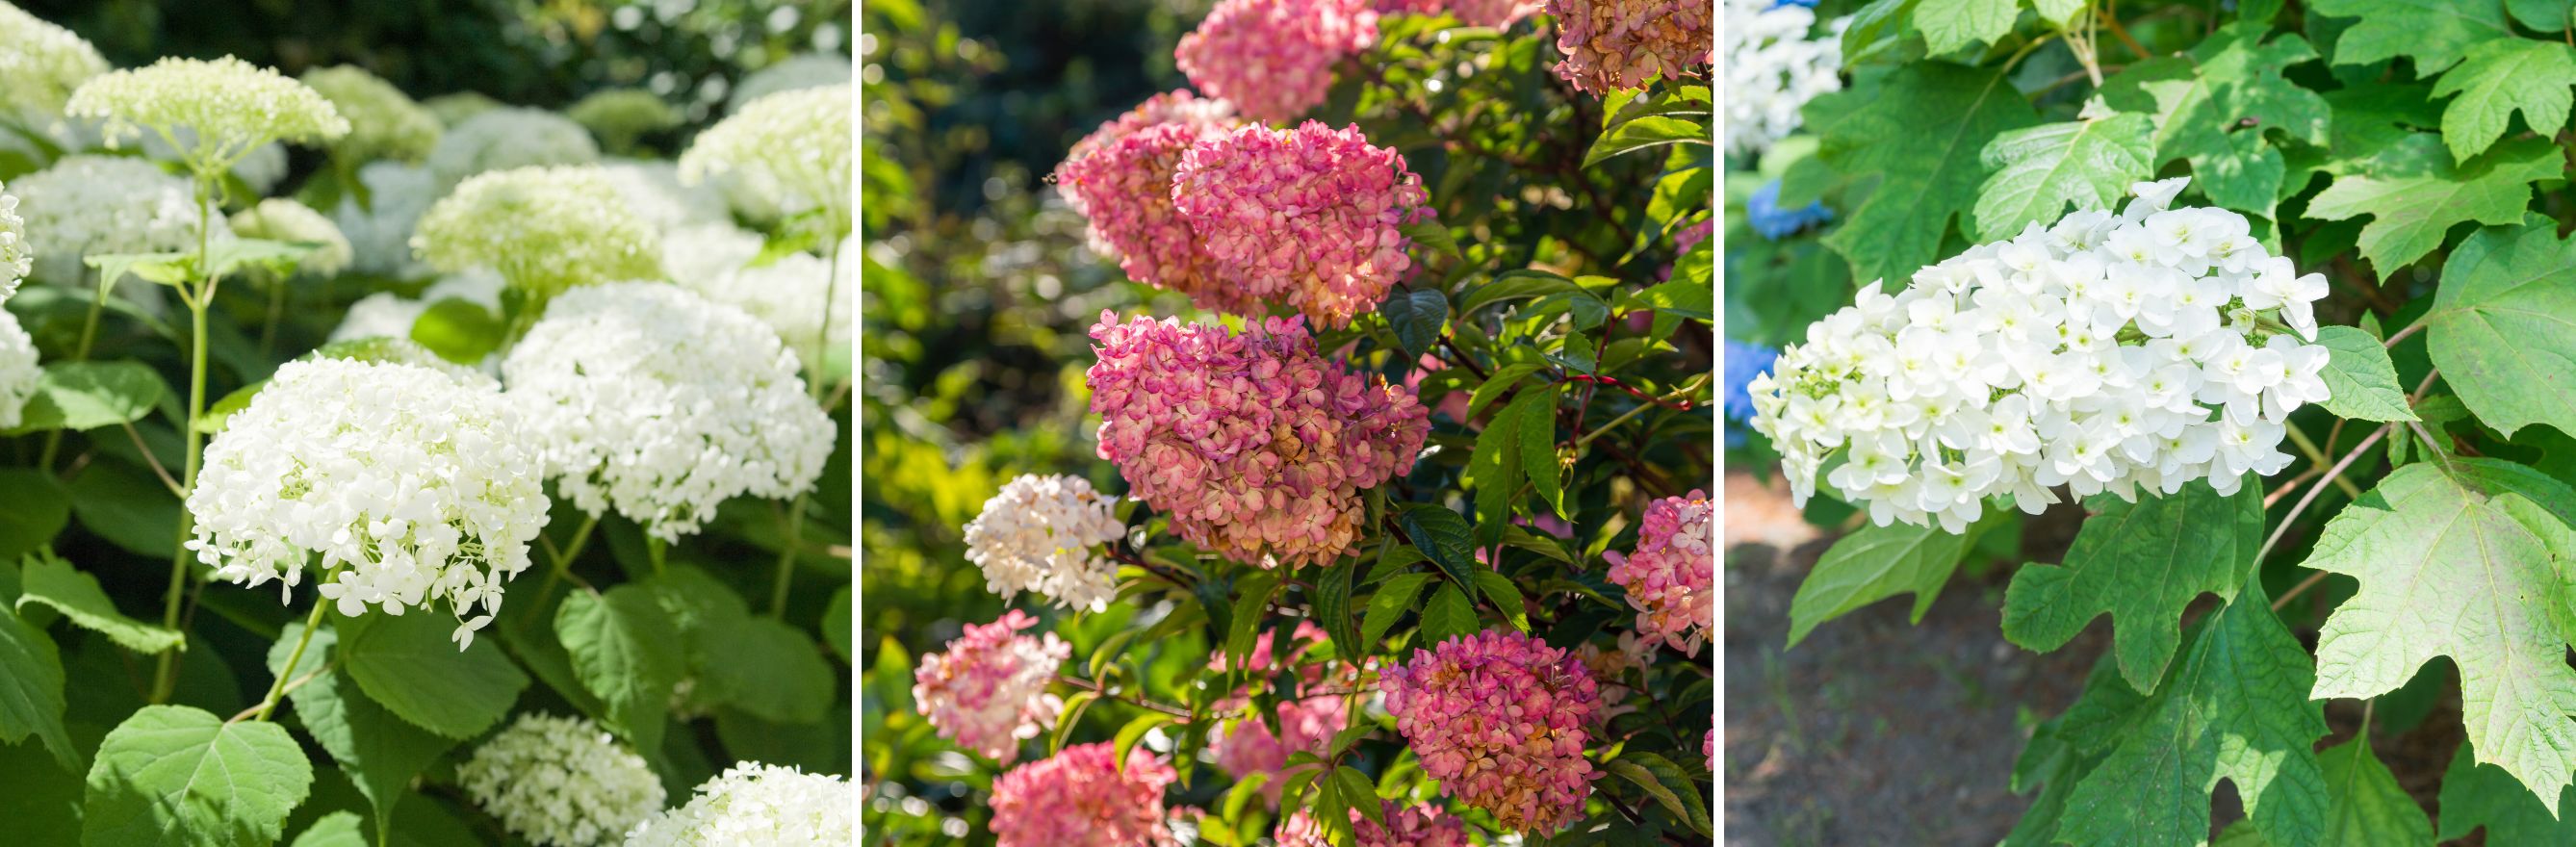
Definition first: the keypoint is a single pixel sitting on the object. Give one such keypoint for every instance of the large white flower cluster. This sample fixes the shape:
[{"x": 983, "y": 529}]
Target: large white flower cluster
[
  {"x": 509, "y": 137},
  {"x": 1773, "y": 67},
  {"x": 545, "y": 229},
  {"x": 788, "y": 293},
  {"x": 97, "y": 205},
  {"x": 227, "y": 106},
  {"x": 662, "y": 404},
  {"x": 15, "y": 260},
  {"x": 417, "y": 486},
  {"x": 384, "y": 123},
  {"x": 1043, "y": 534},
  {"x": 793, "y": 145},
  {"x": 42, "y": 64},
  {"x": 19, "y": 372},
  {"x": 2108, "y": 352},
  {"x": 700, "y": 256},
  {"x": 753, "y": 803},
  {"x": 561, "y": 782},
  {"x": 379, "y": 231}
]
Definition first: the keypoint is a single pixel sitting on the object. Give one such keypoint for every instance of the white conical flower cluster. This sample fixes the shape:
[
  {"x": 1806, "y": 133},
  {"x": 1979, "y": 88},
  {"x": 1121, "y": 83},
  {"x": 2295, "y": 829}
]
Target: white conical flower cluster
[
  {"x": 545, "y": 229},
  {"x": 2105, "y": 353},
  {"x": 561, "y": 782},
  {"x": 662, "y": 404},
  {"x": 1775, "y": 63},
  {"x": 752, "y": 803},
  {"x": 417, "y": 486},
  {"x": 1043, "y": 534}
]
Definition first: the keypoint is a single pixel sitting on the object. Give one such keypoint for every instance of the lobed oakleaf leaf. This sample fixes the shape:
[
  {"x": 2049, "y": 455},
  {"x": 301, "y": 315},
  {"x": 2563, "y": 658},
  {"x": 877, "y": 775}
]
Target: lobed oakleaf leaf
[
  {"x": 2041, "y": 170},
  {"x": 2140, "y": 563},
  {"x": 2503, "y": 327}
]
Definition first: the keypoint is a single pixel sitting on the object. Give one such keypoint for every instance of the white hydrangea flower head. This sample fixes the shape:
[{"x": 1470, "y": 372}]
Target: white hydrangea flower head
[
  {"x": 380, "y": 231},
  {"x": 280, "y": 219},
  {"x": 800, "y": 71},
  {"x": 793, "y": 145},
  {"x": 420, "y": 487},
  {"x": 507, "y": 138},
  {"x": 1775, "y": 63},
  {"x": 753, "y": 803},
  {"x": 2108, "y": 352},
  {"x": 43, "y": 63},
  {"x": 383, "y": 314},
  {"x": 1043, "y": 534},
  {"x": 395, "y": 350},
  {"x": 384, "y": 123},
  {"x": 545, "y": 229},
  {"x": 98, "y": 205},
  {"x": 561, "y": 782},
  {"x": 700, "y": 256},
  {"x": 19, "y": 372},
  {"x": 787, "y": 293},
  {"x": 16, "y": 261},
  {"x": 232, "y": 106},
  {"x": 658, "y": 403},
  {"x": 653, "y": 190}
]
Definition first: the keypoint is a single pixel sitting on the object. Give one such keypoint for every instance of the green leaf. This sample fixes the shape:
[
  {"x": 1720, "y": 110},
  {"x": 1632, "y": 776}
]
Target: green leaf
[
  {"x": 1922, "y": 127},
  {"x": 1506, "y": 597},
  {"x": 2141, "y": 563},
  {"x": 459, "y": 330},
  {"x": 47, "y": 580},
  {"x": 128, "y": 507},
  {"x": 2414, "y": 194},
  {"x": 278, "y": 257},
  {"x": 624, "y": 649},
  {"x": 1645, "y": 134},
  {"x": 1494, "y": 386},
  {"x": 2221, "y": 108},
  {"x": 33, "y": 509},
  {"x": 2470, "y": 567},
  {"x": 1135, "y": 731},
  {"x": 2476, "y": 795},
  {"x": 2435, "y": 33},
  {"x": 1536, "y": 428},
  {"x": 1418, "y": 315},
  {"x": 769, "y": 670},
  {"x": 1873, "y": 564},
  {"x": 1953, "y": 24},
  {"x": 1688, "y": 294},
  {"x": 31, "y": 689},
  {"x": 380, "y": 752},
  {"x": 2039, "y": 171},
  {"x": 1443, "y": 536},
  {"x": 2499, "y": 77},
  {"x": 1333, "y": 607},
  {"x": 836, "y": 625},
  {"x": 2542, "y": 15},
  {"x": 408, "y": 664},
  {"x": 1515, "y": 285},
  {"x": 1632, "y": 768},
  {"x": 1360, "y": 793},
  {"x": 337, "y": 829},
  {"x": 1251, "y": 601},
  {"x": 2360, "y": 377},
  {"x": 1494, "y": 472},
  {"x": 89, "y": 395},
  {"x": 1430, "y": 233},
  {"x": 1393, "y": 598},
  {"x": 2366, "y": 807},
  {"x": 158, "y": 268},
  {"x": 1448, "y": 615},
  {"x": 173, "y": 775},
  {"x": 2503, "y": 327}
]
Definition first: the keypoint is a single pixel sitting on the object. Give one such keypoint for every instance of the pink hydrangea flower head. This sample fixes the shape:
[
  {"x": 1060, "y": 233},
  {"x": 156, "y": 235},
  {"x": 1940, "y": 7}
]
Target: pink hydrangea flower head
[
  {"x": 1419, "y": 825},
  {"x": 1307, "y": 217},
  {"x": 988, "y": 692},
  {"x": 1255, "y": 444},
  {"x": 1614, "y": 44},
  {"x": 1120, "y": 179},
  {"x": 1500, "y": 719},
  {"x": 1080, "y": 798},
  {"x": 1708, "y": 747},
  {"x": 1671, "y": 576},
  {"x": 1490, "y": 13},
  {"x": 1274, "y": 58},
  {"x": 1171, "y": 107}
]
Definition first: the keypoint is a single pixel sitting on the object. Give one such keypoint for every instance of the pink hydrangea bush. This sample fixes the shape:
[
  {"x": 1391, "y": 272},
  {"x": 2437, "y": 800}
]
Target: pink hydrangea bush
[
  {"x": 1308, "y": 217},
  {"x": 1418, "y": 825},
  {"x": 1081, "y": 798},
  {"x": 1671, "y": 577},
  {"x": 1120, "y": 179},
  {"x": 1615, "y": 44},
  {"x": 1500, "y": 719},
  {"x": 1307, "y": 724},
  {"x": 1255, "y": 445},
  {"x": 988, "y": 692},
  {"x": 1274, "y": 58}
]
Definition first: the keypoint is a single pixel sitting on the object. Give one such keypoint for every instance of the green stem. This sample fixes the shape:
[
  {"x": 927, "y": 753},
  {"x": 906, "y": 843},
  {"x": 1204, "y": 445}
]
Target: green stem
[
  {"x": 88, "y": 336},
  {"x": 656, "y": 550},
  {"x": 787, "y": 556},
  {"x": 2317, "y": 457},
  {"x": 164, "y": 674},
  {"x": 276, "y": 314},
  {"x": 562, "y": 563},
  {"x": 277, "y": 689}
]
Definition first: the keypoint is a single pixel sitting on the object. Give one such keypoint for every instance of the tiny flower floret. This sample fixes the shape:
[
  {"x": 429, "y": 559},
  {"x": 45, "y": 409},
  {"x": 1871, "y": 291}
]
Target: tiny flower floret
[
  {"x": 792, "y": 145},
  {"x": 545, "y": 229},
  {"x": 1274, "y": 58},
  {"x": 988, "y": 691},
  {"x": 1310, "y": 218},
  {"x": 1500, "y": 719},
  {"x": 1671, "y": 576},
  {"x": 1417, "y": 825},
  {"x": 230, "y": 106},
  {"x": 1043, "y": 534},
  {"x": 753, "y": 803},
  {"x": 1615, "y": 44},
  {"x": 561, "y": 782},
  {"x": 1255, "y": 444},
  {"x": 1081, "y": 798},
  {"x": 1775, "y": 63},
  {"x": 2150, "y": 348}
]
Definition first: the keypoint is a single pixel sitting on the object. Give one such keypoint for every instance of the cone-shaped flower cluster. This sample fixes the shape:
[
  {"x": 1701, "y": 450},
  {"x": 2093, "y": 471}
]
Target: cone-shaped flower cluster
[
  {"x": 1775, "y": 63},
  {"x": 1615, "y": 44},
  {"x": 1081, "y": 798},
  {"x": 384, "y": 123},
  {"x": 228, "y": 106},
  {"x": 1043, "y": 534},
  {"x": 752, "y": 803},
  {"x": 1274, "y": 58},
  {"x": 1254, "y": 444},
  {"x": 1120, "y": 178},
  {"x": 544, "y": 229},
  {"x": 561, "y": 782},
  {"x": 2106, "y": 353},
  {"x": 988, "y": 691},
  {"x": 1248, "y": 747},
  {"x": 1418, "y": 825},
  {"x": 1308, "y": 217},
  {"x": 1671, "y": 577},
  {"x": 1499, "y": 718}
]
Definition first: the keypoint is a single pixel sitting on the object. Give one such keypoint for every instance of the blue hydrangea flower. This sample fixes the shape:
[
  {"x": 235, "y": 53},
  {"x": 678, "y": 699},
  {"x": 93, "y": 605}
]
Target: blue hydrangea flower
[
  {"x": 1810, "y": 4},
  {"x": 1739, "y": 363},
  {"x": 1775, "y": 223}
]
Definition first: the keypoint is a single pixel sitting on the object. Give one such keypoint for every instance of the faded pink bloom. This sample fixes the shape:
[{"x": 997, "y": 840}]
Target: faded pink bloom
[
  {"x": 1307, "y": 217},
  {"x": 1419, "y": 825},
  {"x": 1610, "y": 667},
  {"x": 1080, "y": 798},
  {"x": 1614, "y": 44},
  {"x": 1499, "y": 718},
  {"x": 1708, "y": 747},
  {"x": 1254, "y": 444},
  {"x": 1671, "y": 578},
  {"x": 1120, "y": 179},
  {"x": 1274, "y": 58},
  {"x": 1249, "y": 747},
  {"x": 988, "y": 692}
]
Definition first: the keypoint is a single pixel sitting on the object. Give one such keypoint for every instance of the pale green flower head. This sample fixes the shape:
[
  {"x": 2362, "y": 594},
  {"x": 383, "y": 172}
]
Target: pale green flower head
[
  {"x": 458, "y": 107},
  {"x": 803, "y": 70},
  {"x": 544, "y": 229},
  {"x": 619, "y": 116},
  {"x": 229, "y": 107},
  {"x": 41, "y": 63},
  {"x": 793, "y": 145},
  {"x": 510, "y": 137},
  {"x": 279, "y": 219},
  {"x": 384, "y": 123}
]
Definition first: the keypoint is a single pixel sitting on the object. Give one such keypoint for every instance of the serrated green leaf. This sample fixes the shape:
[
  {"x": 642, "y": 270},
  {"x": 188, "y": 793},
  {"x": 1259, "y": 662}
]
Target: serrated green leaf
[
  {"x": 2413, "y": 194},
  {"x": 2499, "y": 77},
  {"x": 31, "y": 689},
  {"x": 2039, "y": 171},
  {"x": 1689, "y": 294},
  {"x": 769, "y": 670},
  {"x": 89, "y": 395},
  {"x": 2503, "y": 327},
  {"x": 2140, "y": 563},
  {"x": 33, "y": 509},
  {"x": 2366, "y": 806},
  {"x": 337, "y": 829},
  {"x": 2434, "y": 33},
  {"x": 2476, "y": 795},
  {"x": 2359, "y": 376},
  {"x": 1418, "y": 316},
  {"x": 2221, "y": 108},
  {"x": 380, "y": 752},
  {"x": 173, "y": 775},
  {"x": 1949, "y": 25},
  {"x": 2542, "y": 15},
  {"x": 1678, "y": 784},
  {"x": 1922, "y": 128},
  {"x": 1361, "y": 794},
  {"x": 1448, "y": 615},
  {"x": 45, "y": 579},
  {"x": 1873, "y": 564},
  {"x": 408, "y": 664},
  {"x": 128, "y": 507},
  {"x": 1393, "y": 598},
  {"x": 625, "y": 651}
]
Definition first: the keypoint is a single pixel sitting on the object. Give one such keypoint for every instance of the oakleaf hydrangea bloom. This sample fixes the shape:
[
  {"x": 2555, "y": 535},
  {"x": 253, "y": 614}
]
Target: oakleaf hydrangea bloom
[
  {"x": 1774, "y": 65},
  {"x": 16, "y": 262},
  {"x": 988, "y": 691},
  {"x": 1120, "y": 179},
  {"x": 384, "y": 123},
  {"x": 1246, "y": 745},
  {"x": 753, "y": 803},
  {"x": 418, "y": 486},
  {"x": 280, "y": 219},
  {"x": 231, "y": 106},
  {"x": 620, "y": 116},
  {"x": 544, "y": 229},
  {"x": 380, "y": 231},
  {"x": 664, "y": 405},
  {"x": 1773, "y": 223},
  {"x": 1417, "y": 825},
  {"x": 99, "y": 205},
  {"x": 1499, "y": 718},
  {"x": 1254, "y": 444},
  {"x": 803, "y": 70},
  {"x": 793, "y": 145},
  {"x": 1490, "y": 13},
  {"x": 1274, "y": 58},
  {"x": 561, "y": 782},
  {"x": 1615, "y": 44},
  {"x": 508, "y": 138},
  {"x": 1043, "y": 534},
  {"x": 1740, "y": 363},
  {"x": 19, "y": 373},
  {"x": 2105, "y": 353},
  {"x": 1671, "y": 576},
  {"x": 1306, "y": 217},
  {"x": 1081, "y": 798},
  {"x": 43, "y": 64}
]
